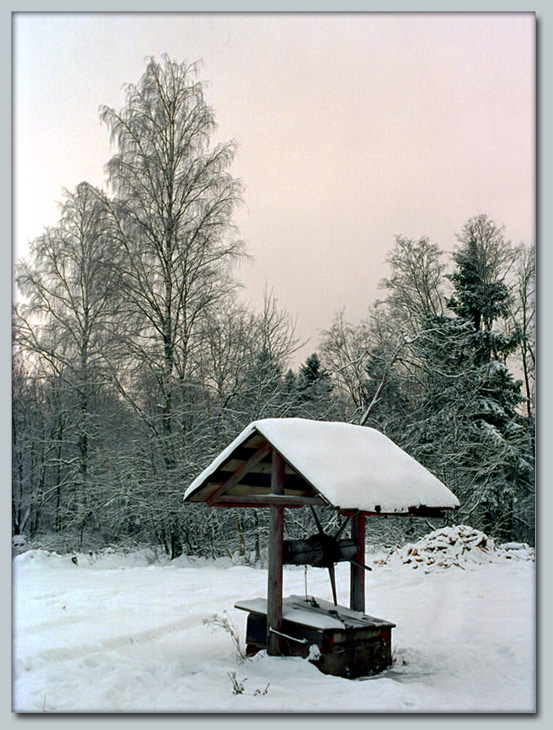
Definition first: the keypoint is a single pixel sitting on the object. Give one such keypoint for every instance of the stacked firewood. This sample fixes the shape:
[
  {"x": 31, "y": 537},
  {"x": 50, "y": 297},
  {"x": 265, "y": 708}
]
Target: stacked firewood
[{"x": 457, "y": 546}]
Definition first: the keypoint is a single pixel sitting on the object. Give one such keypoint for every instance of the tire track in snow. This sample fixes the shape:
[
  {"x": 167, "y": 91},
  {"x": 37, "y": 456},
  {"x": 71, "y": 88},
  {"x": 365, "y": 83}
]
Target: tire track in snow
[
  {"x": 55, "y": 623},
  {"x": 64, "y": 653}
]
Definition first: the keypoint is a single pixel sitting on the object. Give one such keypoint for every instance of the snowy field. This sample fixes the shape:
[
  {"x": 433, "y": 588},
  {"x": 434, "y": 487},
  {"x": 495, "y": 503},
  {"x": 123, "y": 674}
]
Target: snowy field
[{"x": 127, "y": 633}]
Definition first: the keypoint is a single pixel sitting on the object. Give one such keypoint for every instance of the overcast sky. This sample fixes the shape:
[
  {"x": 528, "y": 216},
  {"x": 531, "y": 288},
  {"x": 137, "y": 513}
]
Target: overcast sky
[{"x": 352, "y": 128}]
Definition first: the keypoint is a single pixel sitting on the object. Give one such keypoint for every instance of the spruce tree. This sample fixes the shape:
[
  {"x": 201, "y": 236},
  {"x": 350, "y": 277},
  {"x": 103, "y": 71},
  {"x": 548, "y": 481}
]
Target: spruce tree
[
  {"x": 496, "y": 461},
  {"x": 312, "y": 378},
  {"x": 315, "y": 391}
]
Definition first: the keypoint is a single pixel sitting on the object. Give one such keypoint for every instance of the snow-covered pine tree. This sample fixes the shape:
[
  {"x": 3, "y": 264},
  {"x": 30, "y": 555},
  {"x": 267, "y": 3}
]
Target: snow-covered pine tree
[
  {"x": 314, "y": 388},
  {"x": 441, "y": 382},
  {"x": 497, "y": 457}
]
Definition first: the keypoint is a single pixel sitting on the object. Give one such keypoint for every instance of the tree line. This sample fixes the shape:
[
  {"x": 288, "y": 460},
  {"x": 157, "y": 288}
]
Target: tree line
[{"x": 135, "y": 362}]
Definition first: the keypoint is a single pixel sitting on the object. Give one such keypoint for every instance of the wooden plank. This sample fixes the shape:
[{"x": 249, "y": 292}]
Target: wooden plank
[
  {"x": 277, "y": 474},
  {"x": 274, "y": 580},
  {"x": 264, "y": 500},
  {"x": 259, "y": 480},
  {"x": 412, "y": 512},
  {"x": 357, "y": 573},
  {"x": 261, "y": 452},
  {"x": 243, "y": 452},
  {"x": 424, "y": 511},
  {"x": 226, "y": 469}
]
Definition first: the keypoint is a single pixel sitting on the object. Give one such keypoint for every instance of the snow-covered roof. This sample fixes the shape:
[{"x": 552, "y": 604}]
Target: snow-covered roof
[{"x": 347, "y": 466}]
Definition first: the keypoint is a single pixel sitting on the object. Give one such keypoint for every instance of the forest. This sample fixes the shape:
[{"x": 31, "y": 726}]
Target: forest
[{"x": 135, "y": 361}]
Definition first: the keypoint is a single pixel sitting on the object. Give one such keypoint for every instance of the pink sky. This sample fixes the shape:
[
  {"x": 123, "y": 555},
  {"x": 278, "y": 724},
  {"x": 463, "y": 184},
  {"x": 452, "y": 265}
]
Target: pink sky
[{"x": 352, "y": 128}]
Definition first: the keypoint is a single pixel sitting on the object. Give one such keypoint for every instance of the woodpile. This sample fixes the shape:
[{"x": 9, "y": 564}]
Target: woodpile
[{"x": 457, "y": 546}]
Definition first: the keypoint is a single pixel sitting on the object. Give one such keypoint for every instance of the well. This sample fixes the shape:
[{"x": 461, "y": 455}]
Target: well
[{"x": 294, "y": 463}]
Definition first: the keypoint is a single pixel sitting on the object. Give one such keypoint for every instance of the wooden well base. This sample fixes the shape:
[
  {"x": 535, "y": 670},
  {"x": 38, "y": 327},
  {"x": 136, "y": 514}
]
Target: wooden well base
[{"x": 338, "y": 640}]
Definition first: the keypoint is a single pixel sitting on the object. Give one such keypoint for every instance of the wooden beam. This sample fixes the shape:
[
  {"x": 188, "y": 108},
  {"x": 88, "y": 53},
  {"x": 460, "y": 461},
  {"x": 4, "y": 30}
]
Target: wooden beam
[
  {"x": 411, "y": 512},
  {"x": 244, "y": 468},
  {"x": 274, "y": 581},
  {"x": 424, "y": 511},
  {"x": 262, "y": 480},
  {"x": 265, "y": 500},
  {"x": 357, "y": 573}
]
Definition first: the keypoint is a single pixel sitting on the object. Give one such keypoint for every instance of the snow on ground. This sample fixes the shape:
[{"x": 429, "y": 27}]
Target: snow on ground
[{"x": 127, "y": 633}]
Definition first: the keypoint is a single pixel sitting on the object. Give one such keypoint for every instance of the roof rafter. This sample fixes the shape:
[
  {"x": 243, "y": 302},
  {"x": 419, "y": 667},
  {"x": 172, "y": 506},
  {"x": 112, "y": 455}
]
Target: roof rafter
[{"x": 241, "y": 471}]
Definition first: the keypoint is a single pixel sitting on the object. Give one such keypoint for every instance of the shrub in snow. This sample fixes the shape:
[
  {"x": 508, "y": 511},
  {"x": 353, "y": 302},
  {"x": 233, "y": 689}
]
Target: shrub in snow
[
  {"x": 237, "y": 686},
  {"x": 458, "y": 546},
  {"x": 224, "y": 622},
  {"x": 239, "y": 689},
  {"x": 264, "y": 692}
]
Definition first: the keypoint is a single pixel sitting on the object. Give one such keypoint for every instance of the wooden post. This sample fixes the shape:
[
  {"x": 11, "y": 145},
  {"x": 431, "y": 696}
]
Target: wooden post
[
  {"x": 357, "y": 574},
  {"x": 276, "y": 534}
]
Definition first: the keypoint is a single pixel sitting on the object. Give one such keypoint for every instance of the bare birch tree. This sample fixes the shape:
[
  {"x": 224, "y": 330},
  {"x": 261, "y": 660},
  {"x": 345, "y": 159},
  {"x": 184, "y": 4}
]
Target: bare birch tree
[
  {"x": 65, "y": 325},
  {"x": 522, "y": 317},
  {"x": 171, "y": 216}
]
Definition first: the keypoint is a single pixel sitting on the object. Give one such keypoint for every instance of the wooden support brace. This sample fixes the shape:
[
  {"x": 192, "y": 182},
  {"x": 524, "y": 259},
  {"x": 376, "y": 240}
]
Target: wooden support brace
[
  {"x": 357, "y": 573},
  {"x": 276, "y": 535},
  {"x": 243, "y": 469}
]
